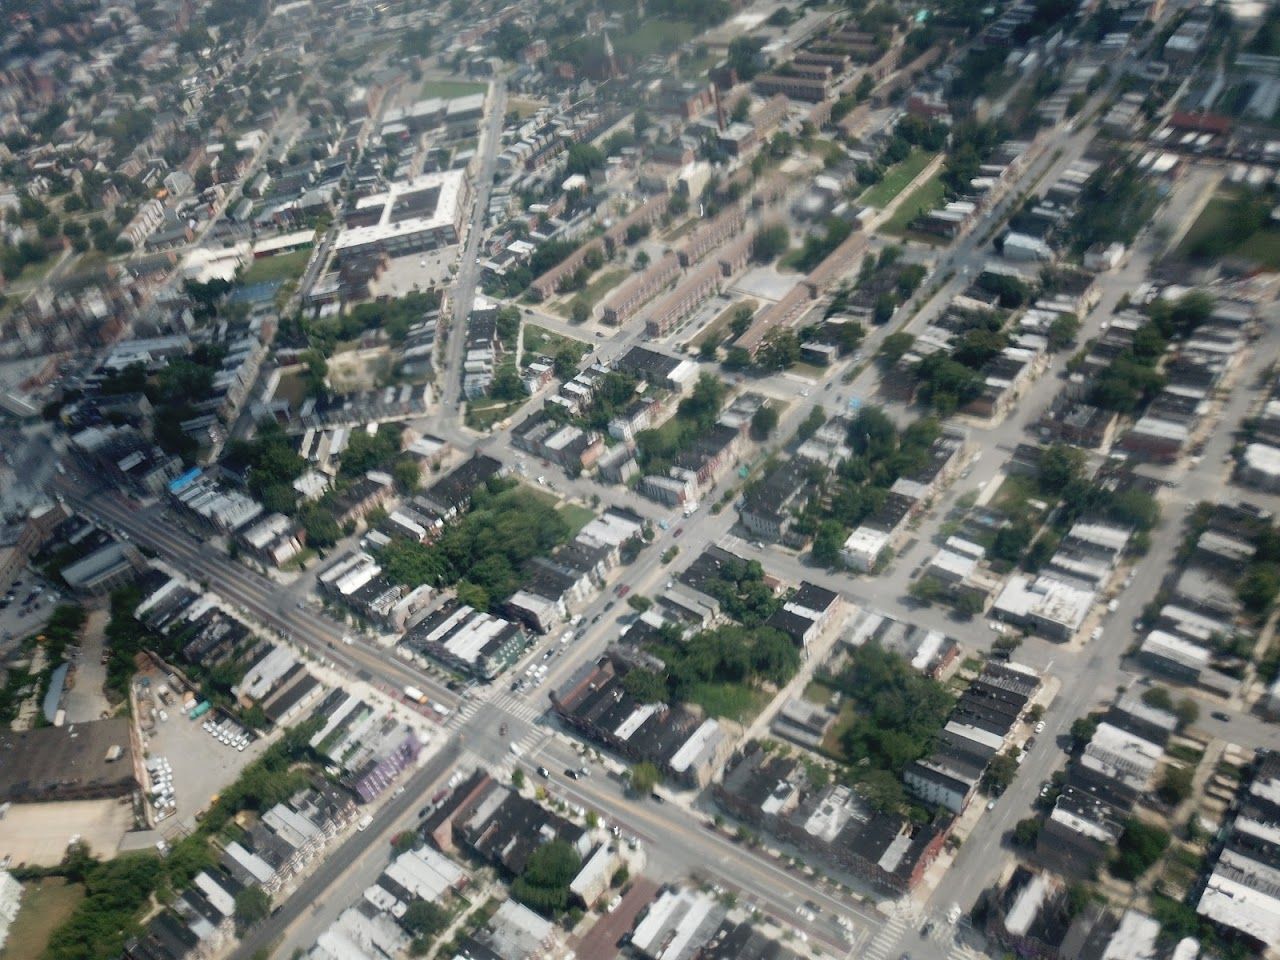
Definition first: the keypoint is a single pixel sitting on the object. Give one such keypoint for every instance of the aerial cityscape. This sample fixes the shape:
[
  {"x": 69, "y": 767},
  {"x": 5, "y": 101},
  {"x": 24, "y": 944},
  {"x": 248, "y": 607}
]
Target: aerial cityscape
[{"x": 647, "y": 479}]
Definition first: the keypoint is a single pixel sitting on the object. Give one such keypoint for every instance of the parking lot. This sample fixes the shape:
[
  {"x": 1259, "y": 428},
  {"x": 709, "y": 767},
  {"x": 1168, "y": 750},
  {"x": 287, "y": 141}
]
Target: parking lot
[
  {"x": 19, "y": 619},
  {"x": 200, "y": 765}
]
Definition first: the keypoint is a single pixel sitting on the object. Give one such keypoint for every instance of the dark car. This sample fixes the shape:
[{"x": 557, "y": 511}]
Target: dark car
[
  {"x": 543, "y": 772},
  {"x": 1219, "y": 715},
  {"x": 571, "y": 773}
]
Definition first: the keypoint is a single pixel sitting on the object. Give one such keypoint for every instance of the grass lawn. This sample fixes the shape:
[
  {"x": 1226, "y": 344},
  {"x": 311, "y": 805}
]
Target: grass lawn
[
  {"x": 1262, "y": 247},
  {"x": 45, "y": 905},
  {"x": 896, "y": 179},
  {"x": 729, "y": 700},
  {"x": 292, "y": 387},
  {"x": 540, "y": 340},
  {"x": 524, "y": 108},
  {"x": 653, "y": 36},
  {"x": 679, "y": 231},
  {"x": 718, "y": 328},
  {"x": 832, "y": 744},
  {"x": 482, "y": 418},
  {"x": 926, "y": 197},
  {"x": 283, "y": 266},
  {"x": 33, "y": 273},
  {"x": 449, "y": 89},
  {"x": 604, "y": 281},
  {"x": 576, "y": 517},
  {"x": 818, "y": 693},
  {"x": 828, "y": 151}
]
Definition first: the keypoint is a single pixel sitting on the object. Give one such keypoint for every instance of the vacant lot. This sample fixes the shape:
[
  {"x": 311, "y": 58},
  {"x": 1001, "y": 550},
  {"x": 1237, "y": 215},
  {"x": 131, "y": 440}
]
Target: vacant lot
[
  {"x": 541, "y": 341},
  {"x": 359, "y": 369},
  {"x": 450, "y": 89},
  {"x": 896, "y": 179},
  {"x": 1217, "y": 233},
  {"x": 45, "y": 904},
  {"x": 928, "y": 196},
  {"x": 38, "y": 833},
  {"x": 718, "y": 328},
  {"x": 283, "y": 266}
]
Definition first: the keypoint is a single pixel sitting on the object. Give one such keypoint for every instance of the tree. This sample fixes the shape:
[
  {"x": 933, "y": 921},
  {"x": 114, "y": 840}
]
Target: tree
[
  {"x": 580, "y": 311},
  {"x": 1025, "y": 832},
  {"x": 644, "y": 777},
  {"x": 407, "y": 475},
  {"x": 473, "y": 595},
  {"x": 645, "y": 686},
  {"x": 1175, "y": 786},
  {"x": 639, "y": 602},
  {"x": 1140, "y": 846},
  {"x": 252, "y": 904},
  {"x": 1082, "y": 730},
  {"x": 736, "y": 358},
  {"x": 203, "y": 178},
  {"x": 544, "y": 884},
  {"x": 583, "y": 158},
  {"x": 894, "y": 347},
  {"x": 321, "y": 527},
  {"x": 422, "y": 918},
  {"x": 1158, "y": 697},
  {"x": 770, "y": 242},
  {"x": 1000, "y": 772},
  {"x": 827, "y": 544},
  {"x": 812, "y": 423},
  {"x": 1062, "y": 331},
  {"x": 780, "y": 350},
  {"x": 744, "y": 56},
  {"x": 741, "y": 110},
  {"x": 1258, "y": 588},
  {"x": 1060, "y": 465},
  {"x": 566, "y": 363},
  {"x": 517, "y": 778},
  {"x": 763, "y": 422},
  {"x": 1187, "y": 712},
  {"x": 864, "y": 88},
  {"x": 740, "y": 319}
]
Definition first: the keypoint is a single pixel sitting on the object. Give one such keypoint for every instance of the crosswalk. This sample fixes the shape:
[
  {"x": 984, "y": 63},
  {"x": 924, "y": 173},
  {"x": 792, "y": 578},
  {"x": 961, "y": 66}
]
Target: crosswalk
[
  {"x": 888, "y": 943},
  {"x": 888, "y": 937},
  {"x": 524, "y": 709}
]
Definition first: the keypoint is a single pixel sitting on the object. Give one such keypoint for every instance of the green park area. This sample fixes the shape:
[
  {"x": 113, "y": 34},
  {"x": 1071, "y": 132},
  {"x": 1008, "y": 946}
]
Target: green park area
[
  {"x": 282, "y": 266},
  {"x": 896, "y": 179}
]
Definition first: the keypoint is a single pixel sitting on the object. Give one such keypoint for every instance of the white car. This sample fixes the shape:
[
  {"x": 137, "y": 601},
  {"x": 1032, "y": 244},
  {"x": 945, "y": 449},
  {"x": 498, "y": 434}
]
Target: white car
[
  {"x": 1039, "y": 728},
  {"x": 953, "y": 914}
]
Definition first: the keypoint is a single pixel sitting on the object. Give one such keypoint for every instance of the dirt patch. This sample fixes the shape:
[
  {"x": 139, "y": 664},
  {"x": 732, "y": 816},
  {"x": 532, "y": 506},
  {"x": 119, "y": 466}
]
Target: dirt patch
[
  {"x": 45, "y": 905},
  {"x": 359, "y": 369},
  {"x": 85, "y": 701},
  {"x": 38, "y": 833}
]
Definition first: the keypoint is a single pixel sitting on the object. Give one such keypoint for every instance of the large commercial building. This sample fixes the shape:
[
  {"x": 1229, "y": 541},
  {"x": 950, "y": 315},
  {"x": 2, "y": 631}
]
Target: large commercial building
[{"x": 423, "y": 213}]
